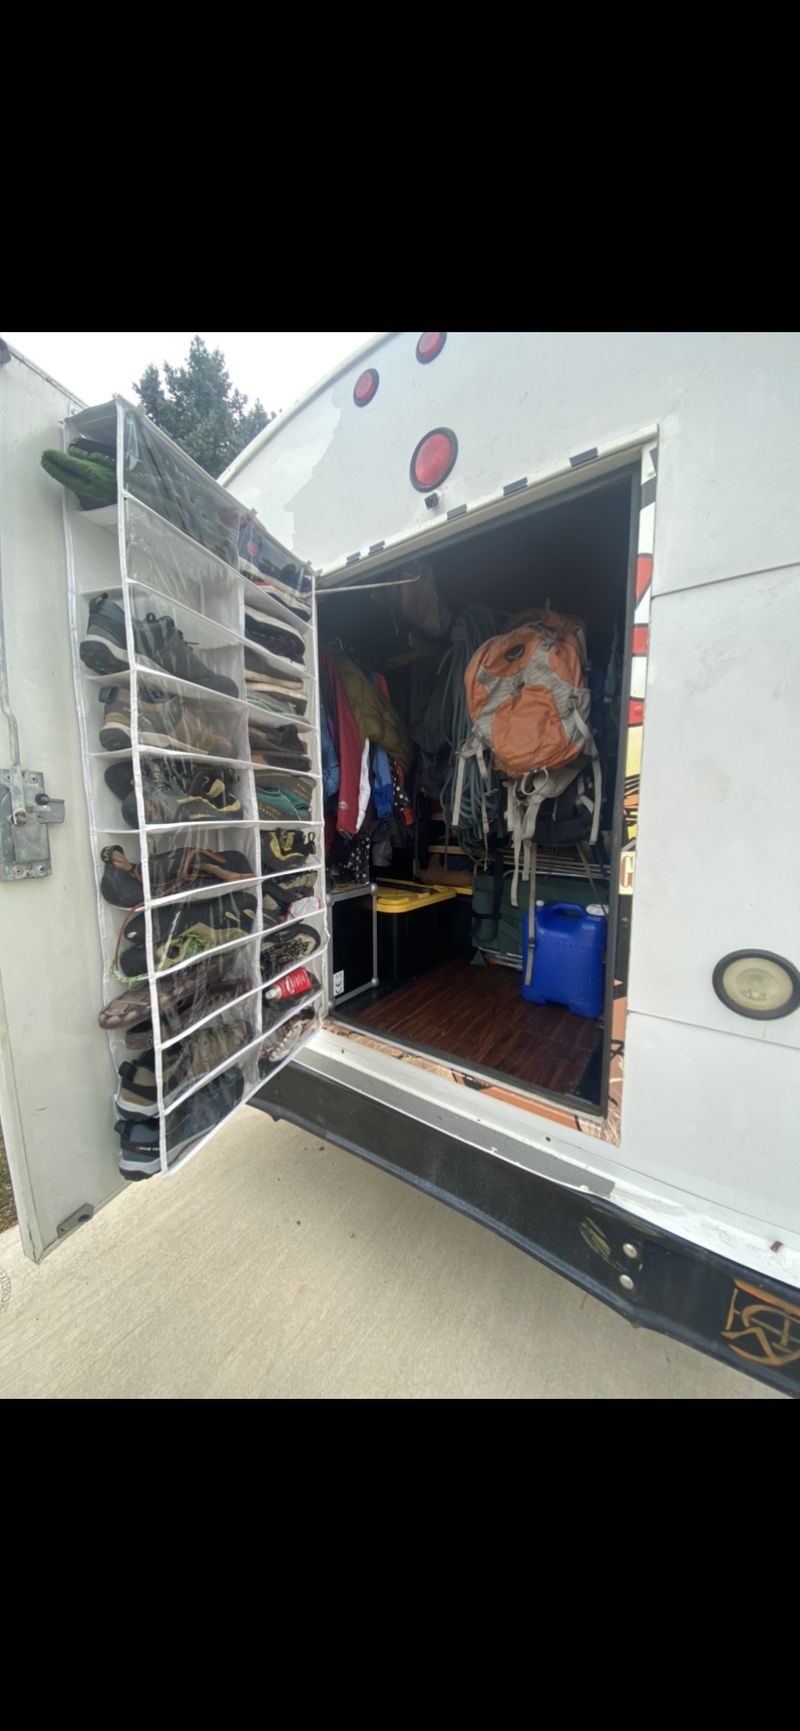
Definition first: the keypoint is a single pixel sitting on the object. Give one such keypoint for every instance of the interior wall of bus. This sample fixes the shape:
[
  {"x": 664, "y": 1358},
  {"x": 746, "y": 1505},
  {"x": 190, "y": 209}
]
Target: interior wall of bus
[{"x": 445, "y": 990}]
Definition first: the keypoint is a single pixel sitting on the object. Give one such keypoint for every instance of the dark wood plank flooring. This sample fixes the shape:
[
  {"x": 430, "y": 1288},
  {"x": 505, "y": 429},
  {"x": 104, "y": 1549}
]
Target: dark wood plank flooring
[{"x": 478, "y": 1015}]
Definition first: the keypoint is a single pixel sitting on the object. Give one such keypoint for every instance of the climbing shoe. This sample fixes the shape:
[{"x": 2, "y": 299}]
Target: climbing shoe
[
  {"x": 183, "y": 930},
  {"x": 284, "y": 950},
  {"x": 157, "y": 643},
  {"x": 288, "y": 898},
  {"x": 280, "y": 1045},
  {"x": 284, "y": 850},
  {"x": 139, "y": 1139},
  {"x": 286, "y": 799},
  {"x": 167, "y": 721},
  {"x": 182, "y": 868},
  {"x": 183, "y": 793}
]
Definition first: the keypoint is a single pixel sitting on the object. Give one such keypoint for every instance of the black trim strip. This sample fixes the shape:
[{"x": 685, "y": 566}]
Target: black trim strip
[
  {"x": 515, "y": 486},
  {"x": 584, "y": 457},
  {"x": 648, "y": 493},
  {"x": 747, "y": 1321},
  {"x": 352, "y": 558},
  {"x": 457, "y": 511}
]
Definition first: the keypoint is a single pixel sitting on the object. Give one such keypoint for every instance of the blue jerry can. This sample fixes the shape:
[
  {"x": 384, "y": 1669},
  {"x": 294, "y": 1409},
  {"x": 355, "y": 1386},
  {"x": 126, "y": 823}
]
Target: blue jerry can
[{"x": 568, "y": 958}]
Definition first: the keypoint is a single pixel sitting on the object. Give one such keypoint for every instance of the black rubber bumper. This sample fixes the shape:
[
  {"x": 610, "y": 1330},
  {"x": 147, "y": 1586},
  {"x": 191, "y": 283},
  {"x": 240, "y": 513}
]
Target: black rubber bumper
[{"x": 654, "y": 1279}]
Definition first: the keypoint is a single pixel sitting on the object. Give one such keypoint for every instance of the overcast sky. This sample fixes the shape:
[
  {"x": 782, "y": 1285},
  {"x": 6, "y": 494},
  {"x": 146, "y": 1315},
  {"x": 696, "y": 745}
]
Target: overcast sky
[{"x": 277, "y": 366}]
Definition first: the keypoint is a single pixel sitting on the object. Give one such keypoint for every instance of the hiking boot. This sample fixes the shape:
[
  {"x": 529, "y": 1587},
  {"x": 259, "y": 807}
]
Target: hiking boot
[
  {"x": 285, "y": 1041},
  {"x": 287, "y": 950},
  {"x": 183, "y": 868},
  {"x": 157, "y": 641},
  {"x": 167, "y": 721},
  {"x": 183, "y": 931},
  {"x": 137, "y": 1091},
  {"x": 139, "y": 1140},
  {"x": 284, "y": 850},
  {"x": 183, "y": 793}
]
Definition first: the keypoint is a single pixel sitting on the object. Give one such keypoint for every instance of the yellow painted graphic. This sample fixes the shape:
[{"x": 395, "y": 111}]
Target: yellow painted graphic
[{"x": 762, "y": 1328}]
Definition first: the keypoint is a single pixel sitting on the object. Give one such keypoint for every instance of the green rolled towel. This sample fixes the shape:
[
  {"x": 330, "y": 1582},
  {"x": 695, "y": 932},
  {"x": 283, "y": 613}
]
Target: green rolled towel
[{"x": 93, "y": 484}]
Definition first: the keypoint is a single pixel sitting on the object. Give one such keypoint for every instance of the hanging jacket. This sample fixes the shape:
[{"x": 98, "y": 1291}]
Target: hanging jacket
[
  {"x": 330, "y": 761},
  {"x": 381, "y": 777},
  {"x": 377, "y": 719},
  {"x": 350, "y": 749}
]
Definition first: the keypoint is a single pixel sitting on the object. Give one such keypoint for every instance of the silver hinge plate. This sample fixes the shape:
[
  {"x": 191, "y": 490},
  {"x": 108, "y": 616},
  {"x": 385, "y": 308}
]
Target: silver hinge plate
[{"x": 25, "y": 844}]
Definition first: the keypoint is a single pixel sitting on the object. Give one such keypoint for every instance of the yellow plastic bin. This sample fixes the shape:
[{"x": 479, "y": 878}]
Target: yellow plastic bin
[{"x": 413, "y": 929}]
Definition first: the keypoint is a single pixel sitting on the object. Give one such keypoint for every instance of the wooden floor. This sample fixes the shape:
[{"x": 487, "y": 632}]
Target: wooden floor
[{"x": 478, "y": 1015}]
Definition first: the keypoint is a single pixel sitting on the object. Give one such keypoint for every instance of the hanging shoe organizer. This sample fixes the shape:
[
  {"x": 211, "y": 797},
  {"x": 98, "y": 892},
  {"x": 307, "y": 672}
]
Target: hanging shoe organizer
[{"x": 196, "y": 682}]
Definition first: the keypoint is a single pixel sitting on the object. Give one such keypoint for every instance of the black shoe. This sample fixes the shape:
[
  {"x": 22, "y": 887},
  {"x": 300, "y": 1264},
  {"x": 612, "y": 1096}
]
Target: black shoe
[
  {"x": 285, "y": 898},
  {"x": 184, "y": 930},
  {"x": 157, "y": 641},
  {"x": 178, "y": 793},
  {"x": 139, "y": 1141},
  {"x": 287, "y": 950},
  {"x": 181, "y": 869},
  {"x": 279, "y": 639}
]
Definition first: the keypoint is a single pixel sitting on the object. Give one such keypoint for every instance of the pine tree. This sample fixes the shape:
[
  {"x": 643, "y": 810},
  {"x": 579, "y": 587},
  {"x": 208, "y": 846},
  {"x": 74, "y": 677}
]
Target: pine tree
[{"x": 197, "y": 406}]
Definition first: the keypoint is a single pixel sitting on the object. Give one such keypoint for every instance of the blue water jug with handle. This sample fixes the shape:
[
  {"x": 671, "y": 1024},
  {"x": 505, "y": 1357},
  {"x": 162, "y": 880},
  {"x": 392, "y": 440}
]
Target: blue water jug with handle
[{"x": 566, "y": 964}]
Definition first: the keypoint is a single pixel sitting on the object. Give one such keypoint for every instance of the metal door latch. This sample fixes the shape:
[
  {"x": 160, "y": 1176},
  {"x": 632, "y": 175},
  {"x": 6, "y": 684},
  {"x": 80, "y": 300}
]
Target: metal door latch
[{"x": 26, "y": 811}]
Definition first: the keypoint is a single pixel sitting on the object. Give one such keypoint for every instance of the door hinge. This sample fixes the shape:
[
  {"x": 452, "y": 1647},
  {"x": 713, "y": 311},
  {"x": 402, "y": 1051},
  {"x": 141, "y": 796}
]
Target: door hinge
[
  {"x": 78, "y": 1218},
  {"x": 26, "y": 812}
]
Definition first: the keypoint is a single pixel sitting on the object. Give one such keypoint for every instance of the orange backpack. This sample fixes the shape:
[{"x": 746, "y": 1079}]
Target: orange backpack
[{"x": 529, "y": 705}]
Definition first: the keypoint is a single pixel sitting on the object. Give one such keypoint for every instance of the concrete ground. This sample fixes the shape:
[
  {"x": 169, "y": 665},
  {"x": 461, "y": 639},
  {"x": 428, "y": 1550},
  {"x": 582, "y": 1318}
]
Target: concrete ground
[{"x": 277, "y": 1267}]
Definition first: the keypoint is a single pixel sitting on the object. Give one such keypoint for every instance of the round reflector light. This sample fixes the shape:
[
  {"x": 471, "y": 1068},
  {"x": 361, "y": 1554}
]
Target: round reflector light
[
  {"x": 433, "y": 459},
  {"x": 758, "y": 984},
  {"x": 430, "y": 345},
  {"x": 365, "y": 387}
]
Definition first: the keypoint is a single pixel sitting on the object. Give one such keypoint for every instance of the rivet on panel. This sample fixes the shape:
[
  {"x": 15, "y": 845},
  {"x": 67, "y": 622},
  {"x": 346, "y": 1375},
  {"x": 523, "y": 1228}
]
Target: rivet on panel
[
  {"x": 625, "y": 1280},
  {"x": 631, "y": 1251}
]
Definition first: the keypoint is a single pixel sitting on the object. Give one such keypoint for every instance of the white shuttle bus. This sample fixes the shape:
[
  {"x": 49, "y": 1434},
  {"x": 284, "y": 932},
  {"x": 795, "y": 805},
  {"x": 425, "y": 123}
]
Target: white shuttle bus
[{"x": 262, "y": 843}]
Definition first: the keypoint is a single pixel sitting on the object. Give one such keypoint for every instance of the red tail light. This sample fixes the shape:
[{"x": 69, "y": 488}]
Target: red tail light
[
  {"x": 433, "y": 459},
  {"x": 430, "y": 345},
  {"x": 365, "y": 387}
]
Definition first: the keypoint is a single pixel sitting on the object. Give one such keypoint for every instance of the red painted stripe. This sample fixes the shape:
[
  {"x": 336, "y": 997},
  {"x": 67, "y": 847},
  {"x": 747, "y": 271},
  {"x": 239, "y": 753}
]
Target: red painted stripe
[
  {"x": 644, "y": 572},
  {"x": 641, "y": 635},
  {"x": 635, "y": 711}
]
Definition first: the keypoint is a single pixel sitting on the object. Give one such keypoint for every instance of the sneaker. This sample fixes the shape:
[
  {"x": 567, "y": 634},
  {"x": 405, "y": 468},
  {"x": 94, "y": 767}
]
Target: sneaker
[
  {"x": 183, "y": 793},
  {"x": 183, "y": 868},
  {"x": 285, "y": 1041},
  {"x": 183, "y": 931},
  {"x": 157, "y": 642},
  {"x": 181, "y": 1065},
  {"x": 167, "y": 721},
  {"x": 139, "y": 1140},
  {"x": 284, "y": 850},
  {"x": 288, "y": 950}
]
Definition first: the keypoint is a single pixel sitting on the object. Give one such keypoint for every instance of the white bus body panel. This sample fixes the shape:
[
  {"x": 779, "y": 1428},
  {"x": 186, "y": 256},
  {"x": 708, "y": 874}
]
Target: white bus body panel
[{"x": 711, "y": 1101}]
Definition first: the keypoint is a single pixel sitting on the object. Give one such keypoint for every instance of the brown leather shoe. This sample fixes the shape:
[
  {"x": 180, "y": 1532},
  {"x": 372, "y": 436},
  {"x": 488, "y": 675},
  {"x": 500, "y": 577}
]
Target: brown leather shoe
[{"x": 169, "y": 721}]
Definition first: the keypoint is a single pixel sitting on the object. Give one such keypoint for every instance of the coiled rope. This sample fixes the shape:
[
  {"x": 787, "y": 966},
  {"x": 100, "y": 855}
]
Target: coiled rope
[{"x": 470, "y": 630}]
